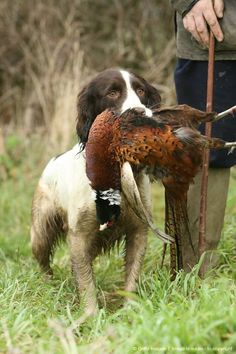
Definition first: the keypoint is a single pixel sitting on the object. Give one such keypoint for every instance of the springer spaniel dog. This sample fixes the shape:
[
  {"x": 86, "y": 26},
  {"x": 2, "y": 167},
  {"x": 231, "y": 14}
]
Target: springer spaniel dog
[
  {"x": 64, "y": 205},
  {"x": 118, "y": 90}
]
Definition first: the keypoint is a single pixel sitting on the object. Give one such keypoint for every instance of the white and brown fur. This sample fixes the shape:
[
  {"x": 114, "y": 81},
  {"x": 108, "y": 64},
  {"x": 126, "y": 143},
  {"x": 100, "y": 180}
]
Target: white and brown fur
[{"x": 63, "y": 203}]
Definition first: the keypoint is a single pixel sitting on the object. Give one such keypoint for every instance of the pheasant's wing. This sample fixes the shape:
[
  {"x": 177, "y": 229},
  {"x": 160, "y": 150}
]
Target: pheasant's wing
[
  {"x": 183, "y": 115},
  {"x": 132, "y": 195},
  {"x": 147, "y": 142}
]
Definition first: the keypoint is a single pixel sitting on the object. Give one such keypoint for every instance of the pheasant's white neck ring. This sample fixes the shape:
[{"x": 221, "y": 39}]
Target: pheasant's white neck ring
[{"x": 112, "y": 195}]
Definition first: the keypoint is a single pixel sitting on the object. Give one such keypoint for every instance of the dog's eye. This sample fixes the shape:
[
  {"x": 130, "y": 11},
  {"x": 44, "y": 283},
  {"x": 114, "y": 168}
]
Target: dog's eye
[
  {"x": 140, "y": 92},
  {"x": 113, "y": 94}
]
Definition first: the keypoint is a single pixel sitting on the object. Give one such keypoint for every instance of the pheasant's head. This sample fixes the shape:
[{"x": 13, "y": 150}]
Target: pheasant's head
[{"x": 107, "y": 207}]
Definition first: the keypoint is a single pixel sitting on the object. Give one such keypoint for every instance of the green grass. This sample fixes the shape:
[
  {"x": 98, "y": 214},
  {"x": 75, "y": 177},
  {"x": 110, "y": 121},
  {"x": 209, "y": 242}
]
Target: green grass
[{"x": 39, "y": 316}]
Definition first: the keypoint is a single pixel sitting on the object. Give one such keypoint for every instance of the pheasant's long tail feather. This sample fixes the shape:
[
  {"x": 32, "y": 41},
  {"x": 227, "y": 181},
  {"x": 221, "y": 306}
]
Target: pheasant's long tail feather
[
  {"x": 173, "y": 256},
  {"x": 176, "y": 225},
  {"x": 170, "y": 227},
  {"x": 163, "y": 255},
  {"x": 183, "y": 115}
]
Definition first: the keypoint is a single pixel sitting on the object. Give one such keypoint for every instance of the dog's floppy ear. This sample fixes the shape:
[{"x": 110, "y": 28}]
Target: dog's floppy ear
[
  {"x": 154, "y": 98},
  {"x": 85, "y": 113}
]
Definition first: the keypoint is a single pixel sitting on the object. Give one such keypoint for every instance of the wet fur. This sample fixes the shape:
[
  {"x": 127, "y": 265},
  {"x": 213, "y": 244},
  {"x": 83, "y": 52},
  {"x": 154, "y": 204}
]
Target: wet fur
[
  {"x": 58, "y": 213},
  {"x": 64, "y": 206}
]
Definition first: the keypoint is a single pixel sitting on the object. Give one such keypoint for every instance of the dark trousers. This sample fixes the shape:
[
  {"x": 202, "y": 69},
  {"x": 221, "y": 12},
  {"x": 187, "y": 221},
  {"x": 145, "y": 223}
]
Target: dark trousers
[{"x": 191, "y": 83}]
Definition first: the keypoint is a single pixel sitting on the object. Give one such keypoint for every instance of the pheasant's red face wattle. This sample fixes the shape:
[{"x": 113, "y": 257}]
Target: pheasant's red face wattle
[{"x": 110, "y": 223}]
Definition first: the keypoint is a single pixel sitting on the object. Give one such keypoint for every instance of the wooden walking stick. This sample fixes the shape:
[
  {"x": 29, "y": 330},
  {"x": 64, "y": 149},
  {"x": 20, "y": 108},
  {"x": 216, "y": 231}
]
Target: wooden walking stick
[{"x": 206, "y": 155}]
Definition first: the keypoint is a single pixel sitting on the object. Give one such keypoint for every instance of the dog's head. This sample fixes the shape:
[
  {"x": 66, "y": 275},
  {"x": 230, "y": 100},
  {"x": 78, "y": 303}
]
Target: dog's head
[{"x": 115, "y": 89}]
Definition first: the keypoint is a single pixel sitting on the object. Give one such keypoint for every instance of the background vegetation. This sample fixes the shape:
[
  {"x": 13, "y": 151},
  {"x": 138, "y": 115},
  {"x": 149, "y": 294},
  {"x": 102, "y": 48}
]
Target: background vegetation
[{"x": 48, "y": 51}]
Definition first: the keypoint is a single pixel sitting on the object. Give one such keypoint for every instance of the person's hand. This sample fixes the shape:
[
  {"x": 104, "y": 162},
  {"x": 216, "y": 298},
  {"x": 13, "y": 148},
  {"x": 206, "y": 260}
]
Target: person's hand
[{"x": 202, "y": 13}]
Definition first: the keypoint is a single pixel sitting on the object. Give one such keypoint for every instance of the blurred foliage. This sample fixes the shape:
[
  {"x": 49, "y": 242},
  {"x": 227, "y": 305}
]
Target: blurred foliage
[
  {"x": 47, "y": 43},
  {"x": 12, "y": 156},
  {"x": 129, "y": 33}
]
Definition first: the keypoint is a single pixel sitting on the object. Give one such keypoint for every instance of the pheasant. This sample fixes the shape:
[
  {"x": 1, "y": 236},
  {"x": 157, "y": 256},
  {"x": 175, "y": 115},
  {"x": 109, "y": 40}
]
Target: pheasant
[{"x": 169, "y": 148}]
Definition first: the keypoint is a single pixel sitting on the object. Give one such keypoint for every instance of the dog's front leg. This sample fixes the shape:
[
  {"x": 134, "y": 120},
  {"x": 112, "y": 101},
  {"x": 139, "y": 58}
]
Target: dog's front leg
[
  {"x": 82, "y": 269},
  {"x": 136, "y": 243}
]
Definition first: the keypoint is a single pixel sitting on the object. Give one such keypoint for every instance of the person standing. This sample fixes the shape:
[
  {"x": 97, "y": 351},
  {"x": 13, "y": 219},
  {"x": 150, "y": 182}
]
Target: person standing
[{"x": 194, "y": 20}]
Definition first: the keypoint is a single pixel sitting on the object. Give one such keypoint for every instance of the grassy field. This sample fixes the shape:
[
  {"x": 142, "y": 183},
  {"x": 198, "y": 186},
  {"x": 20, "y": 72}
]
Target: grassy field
[{"x": 187, "y": 315}]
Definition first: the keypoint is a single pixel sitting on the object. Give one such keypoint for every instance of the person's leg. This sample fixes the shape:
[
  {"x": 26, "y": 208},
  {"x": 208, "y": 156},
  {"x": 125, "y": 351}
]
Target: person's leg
[
  {"x": 191, "y": 82},
  {"x": 218, "y": 182}
]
